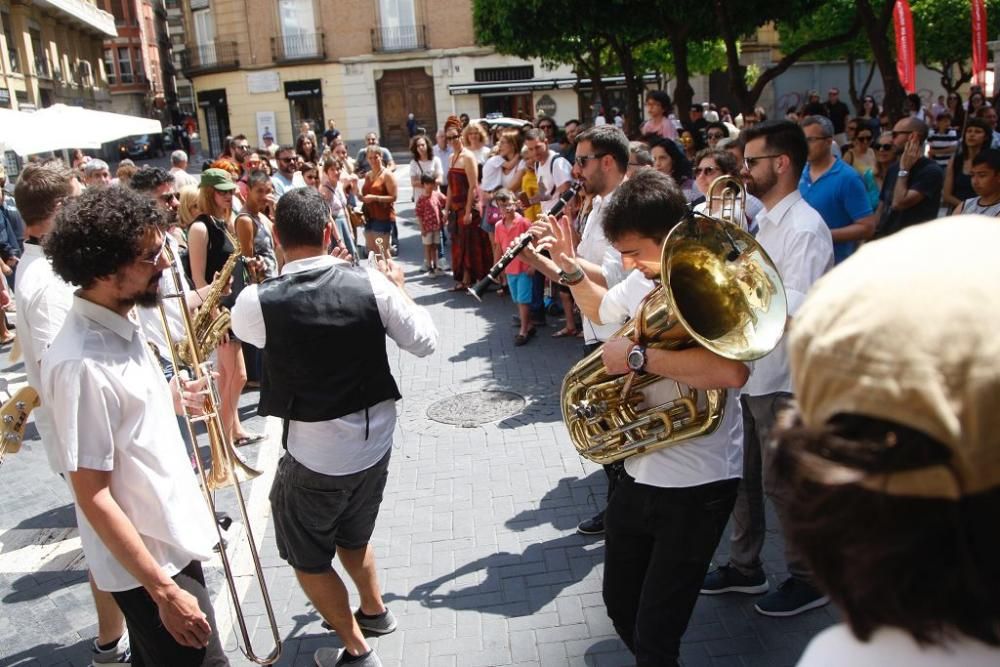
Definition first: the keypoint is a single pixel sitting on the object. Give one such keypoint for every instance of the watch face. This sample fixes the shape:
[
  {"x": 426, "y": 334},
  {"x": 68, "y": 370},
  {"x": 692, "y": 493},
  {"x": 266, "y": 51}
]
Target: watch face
[{"x": 636, "y": 359}]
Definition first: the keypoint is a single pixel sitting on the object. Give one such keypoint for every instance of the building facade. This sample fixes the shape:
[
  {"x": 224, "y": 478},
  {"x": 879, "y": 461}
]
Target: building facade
[
  {"x": 137, "y": 60},
  {"x": 51, "y": 53},
  {"x": 261, "y": 66}
]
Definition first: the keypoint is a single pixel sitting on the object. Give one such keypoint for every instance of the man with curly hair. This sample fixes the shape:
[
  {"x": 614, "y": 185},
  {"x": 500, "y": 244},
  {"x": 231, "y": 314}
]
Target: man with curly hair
[{"x": 143, "y": 526}]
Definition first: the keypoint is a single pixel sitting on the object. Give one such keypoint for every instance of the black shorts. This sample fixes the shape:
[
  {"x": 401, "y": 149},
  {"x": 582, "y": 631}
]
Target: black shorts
[{"x": 315, "y": 513}]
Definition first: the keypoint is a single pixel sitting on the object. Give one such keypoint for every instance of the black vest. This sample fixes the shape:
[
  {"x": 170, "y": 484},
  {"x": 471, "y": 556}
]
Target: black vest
[{"x": 324, "y": 356}]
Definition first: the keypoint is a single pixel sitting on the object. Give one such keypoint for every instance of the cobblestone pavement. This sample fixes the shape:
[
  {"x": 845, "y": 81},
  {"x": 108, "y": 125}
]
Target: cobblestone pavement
[{"x": 476, "y": 546}]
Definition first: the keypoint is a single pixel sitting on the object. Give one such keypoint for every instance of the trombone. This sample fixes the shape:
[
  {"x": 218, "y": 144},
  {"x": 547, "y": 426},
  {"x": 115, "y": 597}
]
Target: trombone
[{"x": 222, "y": 457}]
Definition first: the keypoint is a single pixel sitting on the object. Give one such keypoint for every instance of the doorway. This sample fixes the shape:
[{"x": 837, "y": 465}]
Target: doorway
[
  {"x": 401, "y": 92},
  {"x": 511, "y": 106}
]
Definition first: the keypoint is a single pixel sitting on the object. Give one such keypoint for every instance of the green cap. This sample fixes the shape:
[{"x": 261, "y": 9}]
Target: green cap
[{"x": 218, "y": 179}]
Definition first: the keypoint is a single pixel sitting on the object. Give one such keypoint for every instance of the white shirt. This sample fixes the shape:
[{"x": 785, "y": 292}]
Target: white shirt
[
  {"x": 430, "y": 167},
  {"x": 149, "y": 318},
  {"x": 492, "y": 174},
  {"x": 338, "y": 446},
  {"x": 595, "y": 248},
  {"x": 43, "y": 301},
  {"x": 710, "y": 458},
  {"x": 182, "y": 178},
  {"x": 113, "y": 412},
  {"x": 556, "y": 171},
  {"x": 283, "y": 185},
  {"x": 799, "y": 243},
  {"x": 891, "y": 647}
]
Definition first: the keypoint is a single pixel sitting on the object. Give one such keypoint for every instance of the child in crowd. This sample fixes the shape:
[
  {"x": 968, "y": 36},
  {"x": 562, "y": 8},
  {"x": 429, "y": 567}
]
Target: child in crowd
[
  {"x": 430, "y": 213},
  {"x": 518, "y": 272},
  {"x": 986, "y": 183}
]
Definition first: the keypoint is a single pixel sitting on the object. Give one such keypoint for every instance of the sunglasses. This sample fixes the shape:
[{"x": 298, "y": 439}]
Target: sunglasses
[
  {"x": 864, "y": 137},
  {"x": 168, "y": 197},
  {"x": 884, "y": 147},
  {"x": 708, "y": 171},
  {"x": 582, "y": 160},
  {"x": 451, "y": 137},
  {"x": 899, "y": 133},
  {"x": 749, "y": 162},
  {"x": 155, "y": 258},
  {"x": 286, "y": 159}
]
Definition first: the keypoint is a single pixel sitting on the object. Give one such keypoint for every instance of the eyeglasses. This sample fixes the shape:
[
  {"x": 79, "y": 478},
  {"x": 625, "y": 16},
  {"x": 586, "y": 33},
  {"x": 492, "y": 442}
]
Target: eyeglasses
[
  {"x": 864, "y": 137},
  {"x": 451, "y": 137},
  {"x": 815, "y": 139},
  {"x": 546, "y": 127},
  {"x": 168, "y": 197},
  {"x": 155, "y": 259},
  {"x": 884, "y": 147},
  {"x": 749, "y": 162},
  {"x": 715, "y": 135},
  {"x": 708, "y": 171},
  {"x": 286, "y": 159},
  {"x": 581, "y": 160},
  {"x": 244, "y": 147},
  {"x": 899, "y": 133}
]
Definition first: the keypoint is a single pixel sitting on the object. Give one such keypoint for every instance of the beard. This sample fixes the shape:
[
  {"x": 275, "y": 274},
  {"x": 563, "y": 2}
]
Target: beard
[
  {"x": 760, "y": 186},
  {"x": 149, "y": 297}
]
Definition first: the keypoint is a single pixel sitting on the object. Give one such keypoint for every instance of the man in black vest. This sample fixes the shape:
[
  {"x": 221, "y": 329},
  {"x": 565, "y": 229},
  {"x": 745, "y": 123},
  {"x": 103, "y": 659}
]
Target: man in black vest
[{"x": 322, "y": 326}]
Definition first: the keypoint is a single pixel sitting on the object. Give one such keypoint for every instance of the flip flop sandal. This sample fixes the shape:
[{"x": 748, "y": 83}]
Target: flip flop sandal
[
  {"x": 564, "y": 333},
  {"x": 249, "y": 439}
]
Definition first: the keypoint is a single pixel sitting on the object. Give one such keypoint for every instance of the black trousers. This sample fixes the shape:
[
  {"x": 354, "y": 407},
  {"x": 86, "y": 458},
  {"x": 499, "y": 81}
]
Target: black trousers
[
  {"x": 658, "y": 545},
  {"x": 152, "y": 645}
]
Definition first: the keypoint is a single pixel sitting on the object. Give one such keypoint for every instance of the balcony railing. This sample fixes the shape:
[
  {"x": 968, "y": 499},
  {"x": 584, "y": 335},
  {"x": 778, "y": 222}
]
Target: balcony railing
[
  {"x": 399, "y": 38},
  {"x": 15, "y": 62},
  {"x": 42, "y": 67},
  {"x": 299, "y": 46},
  {"x": 213, "y": 56}
]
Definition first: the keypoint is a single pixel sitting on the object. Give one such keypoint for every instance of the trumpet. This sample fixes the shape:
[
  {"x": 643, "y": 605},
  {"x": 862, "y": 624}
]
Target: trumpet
[
  {"x": 518, "y": 245},
  {"x": 224, "y": 462},
  {"x": 379, "y": 256}
]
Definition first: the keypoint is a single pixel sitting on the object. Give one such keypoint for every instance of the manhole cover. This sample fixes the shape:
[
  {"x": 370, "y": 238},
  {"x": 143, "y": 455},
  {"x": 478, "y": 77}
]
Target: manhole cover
[{"x": 476, "y": 407}]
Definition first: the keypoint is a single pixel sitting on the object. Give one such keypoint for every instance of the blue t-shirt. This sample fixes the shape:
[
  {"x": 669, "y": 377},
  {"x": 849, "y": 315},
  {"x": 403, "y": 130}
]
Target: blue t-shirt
[{"x": 840, "y": 197}]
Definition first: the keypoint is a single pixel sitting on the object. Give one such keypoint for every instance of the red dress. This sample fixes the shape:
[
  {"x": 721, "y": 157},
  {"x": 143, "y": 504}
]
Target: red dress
[{"x": 470, "y": 247}]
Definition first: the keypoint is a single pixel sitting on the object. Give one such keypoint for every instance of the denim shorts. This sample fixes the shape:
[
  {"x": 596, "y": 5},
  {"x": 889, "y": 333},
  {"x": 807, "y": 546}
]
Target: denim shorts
[
  {"x": 314, "y": 514},
  {"x": 378, "y": 226},
  {"x": 519, "y": 285}
]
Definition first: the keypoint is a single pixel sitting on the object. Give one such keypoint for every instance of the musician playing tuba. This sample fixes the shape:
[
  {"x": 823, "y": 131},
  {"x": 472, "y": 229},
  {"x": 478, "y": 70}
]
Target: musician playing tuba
[{"x": 670, "y": 505}]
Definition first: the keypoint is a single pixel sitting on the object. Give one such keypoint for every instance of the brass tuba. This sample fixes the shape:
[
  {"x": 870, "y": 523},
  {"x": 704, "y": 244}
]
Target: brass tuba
[{"x": 718, "y": 289}]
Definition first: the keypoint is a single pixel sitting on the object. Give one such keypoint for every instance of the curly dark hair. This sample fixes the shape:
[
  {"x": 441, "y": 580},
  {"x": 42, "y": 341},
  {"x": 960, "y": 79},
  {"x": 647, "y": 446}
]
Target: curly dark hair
[
  {"x": 98, "y": 233},
  {"x": 301, "y": 217},
  {"x": 148, "y": 179}
]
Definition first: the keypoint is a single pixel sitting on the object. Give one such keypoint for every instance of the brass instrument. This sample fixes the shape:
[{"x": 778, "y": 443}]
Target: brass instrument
[
  {"x": 225, "y": 461},
  {"x": 718, "y": 289},
  {"x": 212, "y": 320},
  {"x": 380, "y": 257}
]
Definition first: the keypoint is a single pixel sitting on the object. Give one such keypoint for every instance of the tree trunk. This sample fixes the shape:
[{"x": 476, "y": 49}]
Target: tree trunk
[
  {"x": 852, "y": 84},
  {"x": 875, "y": 27},
  {"x": 683, "y": 92},
  {"x": 633, "y": 86}
]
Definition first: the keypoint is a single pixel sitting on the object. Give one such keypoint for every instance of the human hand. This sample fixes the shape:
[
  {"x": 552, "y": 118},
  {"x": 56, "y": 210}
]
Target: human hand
[
  {"x": 393, "y": 272},
  {"x": 12, "y": 261},
  {"x": 340, "y": 252},
  {"x": 190, "y": 395},
  {"x": 911, "y": 153},
  {"x": 614, "y": 354},
  {"x": 369, "y": 199},
  {"x": 562, "y": 248},
  {"x": 183, "y": 618}
]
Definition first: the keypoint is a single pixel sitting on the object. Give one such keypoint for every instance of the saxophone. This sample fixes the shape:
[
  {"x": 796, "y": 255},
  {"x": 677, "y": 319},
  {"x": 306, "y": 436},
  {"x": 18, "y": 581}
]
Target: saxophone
[{"x": 212, "y": 320}]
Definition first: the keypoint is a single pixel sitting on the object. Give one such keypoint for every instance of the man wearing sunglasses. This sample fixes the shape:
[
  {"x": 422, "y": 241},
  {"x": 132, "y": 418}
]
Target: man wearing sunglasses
[
  {"x": 911, "y": 192},
  {"x": 287, "y": 176},
  {"x": 835, "y": 190},
  {"x": 801, "y": 247}
]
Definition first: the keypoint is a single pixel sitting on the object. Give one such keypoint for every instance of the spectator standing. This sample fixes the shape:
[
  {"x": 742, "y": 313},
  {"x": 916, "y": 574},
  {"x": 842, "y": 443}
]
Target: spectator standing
[
  {"x": 813, "y": 107},
  {"x": 943, "y": 140},
  {"x": 670, "y": 160},
  {"x": 379, "y": 197},
  {"x": 430, "y": 214},
  {"x": 178, "y": 167},
  {"x": 859, "y": 153},
  {"x": 411, "y": 125},
  {"x": 96, "y": 174},
  {"x": 958, "y": 172},
  {"x": 424, "y": 162},
  {"x": 989, "y": 114},
  {"x": 287, "y": 176},
  {"x": 332, "y": 189},
  {"x": 305, "y": 130},
  {"x": 714, "y": 132},
  {"x": 986, "y": 183},
  {"x": 658, "y": 110},
  {"x": 956, "y": 107},
  {"x": 361, "y": 164},
  {"x": 442, "y": 151},
  {"x": 837, "y": 112},
  {"x": 911, "y": 192},
  {"x": 471, "y": 254},
  {"x": 331, "y": 134},
  {"x": 885, "y": 156},
  {"x": 870, "y": 114},
  {"x": 518, "y": 272},
  {"x": 835, "y": 191},
  {"x": 306, "y": 149}
]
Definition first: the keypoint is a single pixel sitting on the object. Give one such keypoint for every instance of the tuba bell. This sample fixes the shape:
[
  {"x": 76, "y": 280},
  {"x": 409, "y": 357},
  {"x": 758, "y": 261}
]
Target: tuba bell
[{"x": 718, "y": 289}]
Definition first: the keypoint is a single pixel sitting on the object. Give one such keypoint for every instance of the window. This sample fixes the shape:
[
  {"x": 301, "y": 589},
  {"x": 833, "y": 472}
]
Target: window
[
  {"x": 124, "y": 65},
  {"x": 109, "y": 66},
  {"x": 118, "y": 11},
  {"x": 15, "y": 63},
  {"x": 493, "y": 74},
  {"x": 140, "y": 70},
  {"x": 298, "y": 28},
  {"x": 204, "y": 35},
  {"x": 397, "y": 23}
]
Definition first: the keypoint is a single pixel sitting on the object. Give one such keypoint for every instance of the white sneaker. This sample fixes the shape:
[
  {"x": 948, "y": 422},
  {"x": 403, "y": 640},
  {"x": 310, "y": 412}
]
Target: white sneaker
[
  {"x": 426, "y": 267},
  {"x": 120, "y": 654},
  {"x": 334, "y": 657}
]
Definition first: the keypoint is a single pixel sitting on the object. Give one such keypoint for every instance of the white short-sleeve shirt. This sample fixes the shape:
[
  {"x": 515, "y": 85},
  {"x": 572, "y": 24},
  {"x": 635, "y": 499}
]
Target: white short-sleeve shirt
[
  {"x": 555, "y": 172},
  {"x": 596, "y": 249},
  {"x": 113, "y": 411},
  {"x": 710, "y": 458}
]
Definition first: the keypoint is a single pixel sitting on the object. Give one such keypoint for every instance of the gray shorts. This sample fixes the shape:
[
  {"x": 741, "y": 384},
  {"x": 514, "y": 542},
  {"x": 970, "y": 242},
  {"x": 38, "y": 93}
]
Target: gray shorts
[{"x": 315, "y": 513}]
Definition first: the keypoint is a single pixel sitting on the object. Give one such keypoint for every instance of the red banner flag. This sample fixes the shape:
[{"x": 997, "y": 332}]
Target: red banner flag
[
  {"x": 979, "y": 54},
  {"x": 906, "y": 50}
]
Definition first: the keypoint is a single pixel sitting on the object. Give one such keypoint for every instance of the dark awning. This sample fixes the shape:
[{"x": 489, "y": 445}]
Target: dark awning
[
  {"x": 502, "y": 87},
  {"x": 307, "y": 88}
]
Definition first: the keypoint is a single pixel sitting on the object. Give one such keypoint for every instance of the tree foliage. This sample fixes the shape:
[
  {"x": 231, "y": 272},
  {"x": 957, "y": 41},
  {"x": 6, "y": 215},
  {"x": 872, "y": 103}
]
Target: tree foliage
[{"x": 943, "y": 37}]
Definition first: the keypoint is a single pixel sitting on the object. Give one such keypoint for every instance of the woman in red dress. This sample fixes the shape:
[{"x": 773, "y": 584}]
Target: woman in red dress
[{"x": 471, "y": 255}]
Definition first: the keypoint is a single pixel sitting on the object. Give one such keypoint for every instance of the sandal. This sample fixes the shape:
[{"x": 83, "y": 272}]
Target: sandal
[
  {"x": 249, "y": 439},
  {"x": 9, "y": 338},
  {"x": 565, "y": 333},
  {"x": 520, "y": 340},
  {"x": 459, "y": 287}
]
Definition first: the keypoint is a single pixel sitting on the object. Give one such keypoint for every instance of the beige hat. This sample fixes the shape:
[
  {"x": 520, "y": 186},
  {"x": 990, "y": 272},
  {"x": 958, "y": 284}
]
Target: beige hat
[{"x": 908, "y": 330}]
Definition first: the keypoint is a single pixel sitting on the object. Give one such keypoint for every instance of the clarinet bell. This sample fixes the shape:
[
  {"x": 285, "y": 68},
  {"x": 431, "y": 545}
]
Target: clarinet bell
[{"x": 480, "y": 288}]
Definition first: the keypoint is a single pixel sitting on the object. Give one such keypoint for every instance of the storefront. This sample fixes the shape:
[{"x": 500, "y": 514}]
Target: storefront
[
  {"x": 215, "y": 110},
  {"x": 305, "y": 103}
]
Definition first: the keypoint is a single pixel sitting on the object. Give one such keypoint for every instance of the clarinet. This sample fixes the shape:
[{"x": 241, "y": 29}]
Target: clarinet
[{"x": 518, "y": 245}]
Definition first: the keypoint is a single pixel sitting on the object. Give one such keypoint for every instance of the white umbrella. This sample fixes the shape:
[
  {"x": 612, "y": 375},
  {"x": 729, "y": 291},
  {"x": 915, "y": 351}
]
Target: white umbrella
[
  {"x": 60, "y": 126},
  {"x": 14, "y": 126}
]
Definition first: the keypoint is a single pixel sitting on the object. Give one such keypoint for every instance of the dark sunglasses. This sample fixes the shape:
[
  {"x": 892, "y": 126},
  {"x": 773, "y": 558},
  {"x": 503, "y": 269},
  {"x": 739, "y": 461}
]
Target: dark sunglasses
[
  {"x": 884, "y": 147},
  {"x": 286, "y": 159},
  {"x": 864, "y": 137},
  {"x": 708, "y": 171}
]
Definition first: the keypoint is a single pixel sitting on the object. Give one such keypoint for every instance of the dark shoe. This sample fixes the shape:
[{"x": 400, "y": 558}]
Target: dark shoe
[
  {"x": 119, "y": 654},
  {"x": 792, "y": 597},
  {"x": 249, "y": 439},
  {"x": 520, "y": 340},
  {"x": 592, "y": 526},
  {"x": 224, "y": 520},
  {"x": 727, "y": 579},
  {"x": 338, "y": 657},
  {"x": 379, "y": 624},
  {"x": 219, "y": 546}
]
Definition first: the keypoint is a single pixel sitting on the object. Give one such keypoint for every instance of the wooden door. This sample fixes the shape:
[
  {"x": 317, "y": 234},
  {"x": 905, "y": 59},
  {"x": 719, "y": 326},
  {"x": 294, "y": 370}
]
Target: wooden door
[{"x": 401, "y": 92}]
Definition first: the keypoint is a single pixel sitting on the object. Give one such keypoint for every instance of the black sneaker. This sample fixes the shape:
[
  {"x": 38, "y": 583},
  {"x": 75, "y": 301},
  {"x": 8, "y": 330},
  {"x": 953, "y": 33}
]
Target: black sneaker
[
  {"x": 792, "y": 597},
  {"x": 592, "y": 526},
  {"x": 380, "y": 624},
  {"x": 727, "y": 579}
]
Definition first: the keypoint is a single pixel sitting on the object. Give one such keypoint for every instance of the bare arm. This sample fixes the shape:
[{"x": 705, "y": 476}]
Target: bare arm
[
  {"x": 859, "y": 230},
  {"x": 471, "y": 173},
  {"x": 179, "y": 610},
  {"x": 948, "y": 191},
  {"x": 696, "y": 367},
  {"x": 198, "y": 252},
  {"x": 902, "y": 197}
]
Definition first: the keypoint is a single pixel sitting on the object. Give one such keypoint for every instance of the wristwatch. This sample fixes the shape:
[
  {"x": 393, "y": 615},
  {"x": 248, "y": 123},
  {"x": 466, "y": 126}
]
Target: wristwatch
[
  {"x": 570, "y": 279},
  {"x": 902, "y": 173},
  {"x": 636, "y": 359}
]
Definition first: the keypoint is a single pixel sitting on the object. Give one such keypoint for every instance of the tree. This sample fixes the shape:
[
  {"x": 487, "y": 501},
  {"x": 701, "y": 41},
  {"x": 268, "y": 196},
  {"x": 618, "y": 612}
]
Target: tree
[
  {"x": 943, "y": 36},
  {"x": 875, "y": 19},
  {"x": 734, "y": 20},
  {"x": 530, "y": 29}
]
